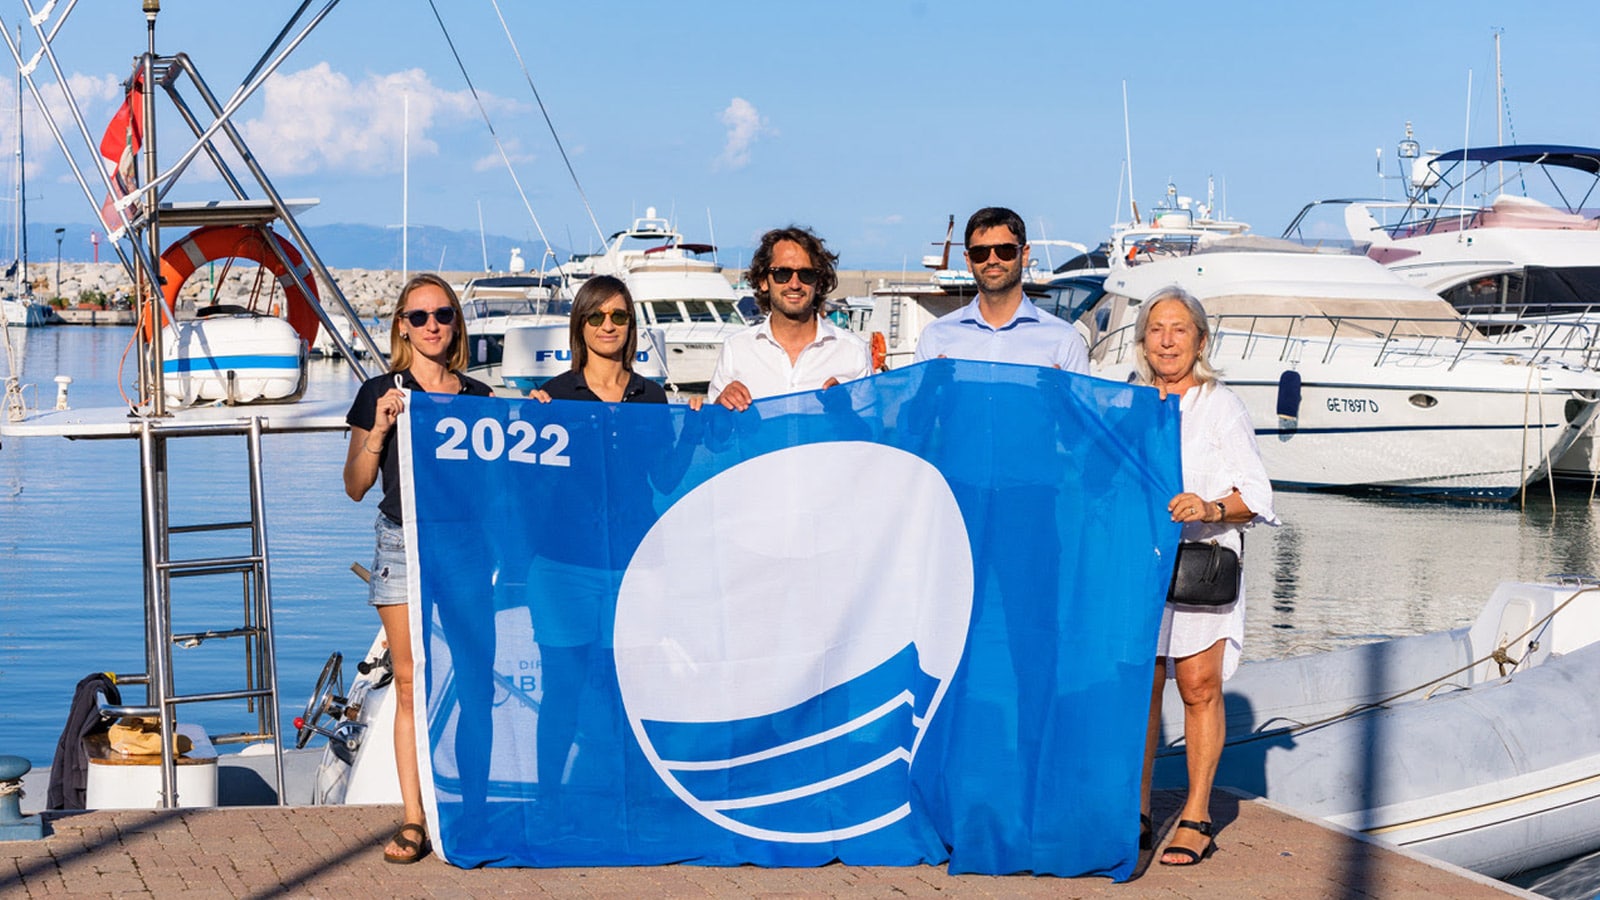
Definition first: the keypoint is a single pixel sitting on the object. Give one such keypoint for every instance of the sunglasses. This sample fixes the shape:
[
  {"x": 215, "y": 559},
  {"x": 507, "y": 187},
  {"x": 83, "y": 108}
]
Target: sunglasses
[
  {"x": 444, "y": 315},
  {"x": 618, "y": 317},
  {"x": 1006, "y": 252},
  {"x": 782, "y": 274}
]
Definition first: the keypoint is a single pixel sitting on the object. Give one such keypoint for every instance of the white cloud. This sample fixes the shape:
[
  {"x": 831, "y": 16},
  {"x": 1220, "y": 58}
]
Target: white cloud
[
  {"x": 491, "y": 162},
  {"x": 745, "y": 127},
  {"x": 317, "y": 119}
]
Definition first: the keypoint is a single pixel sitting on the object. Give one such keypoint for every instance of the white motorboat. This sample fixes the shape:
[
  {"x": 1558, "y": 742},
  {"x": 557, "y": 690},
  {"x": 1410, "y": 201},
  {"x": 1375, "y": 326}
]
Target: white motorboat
[
  {"x": 1477, "y": 746},
  {"x": 674, "y": 289},
  {"x": 1526, "y": 271},
  {"x": 1354, "y": 379},
  {"x": 497, "y": 304}
]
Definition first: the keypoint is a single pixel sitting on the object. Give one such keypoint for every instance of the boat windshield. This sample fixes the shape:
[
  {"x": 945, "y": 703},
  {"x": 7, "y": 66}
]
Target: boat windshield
[
  {"x": 727, "y": 311},
  {"x": 664, "y": 312}
]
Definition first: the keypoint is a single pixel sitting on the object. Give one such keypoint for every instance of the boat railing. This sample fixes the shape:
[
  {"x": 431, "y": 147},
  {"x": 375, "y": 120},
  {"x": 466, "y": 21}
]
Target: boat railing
[{"x": 1249, "y": 335}]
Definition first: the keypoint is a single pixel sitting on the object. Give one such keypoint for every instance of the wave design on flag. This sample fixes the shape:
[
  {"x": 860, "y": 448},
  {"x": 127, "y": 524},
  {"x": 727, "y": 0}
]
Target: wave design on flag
[{"x": 838, "y": 762}]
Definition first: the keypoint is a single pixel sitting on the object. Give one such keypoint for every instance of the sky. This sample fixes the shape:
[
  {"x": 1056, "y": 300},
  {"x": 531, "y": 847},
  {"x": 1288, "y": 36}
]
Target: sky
[{"x": 870, "y": 121}]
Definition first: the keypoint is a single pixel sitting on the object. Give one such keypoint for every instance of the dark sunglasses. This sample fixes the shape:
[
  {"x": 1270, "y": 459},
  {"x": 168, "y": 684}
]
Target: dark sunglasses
[
  {"x": 1006, "y": 252},
  {"x": 444, "y": 315},
  {"x": 618, "y": 317},
  {"x": 782, "y": 274}
]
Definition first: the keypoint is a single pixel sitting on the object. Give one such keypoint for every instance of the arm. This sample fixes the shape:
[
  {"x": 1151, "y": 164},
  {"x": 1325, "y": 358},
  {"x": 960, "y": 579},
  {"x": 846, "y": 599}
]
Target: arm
[{"x": 362, "y": 459}]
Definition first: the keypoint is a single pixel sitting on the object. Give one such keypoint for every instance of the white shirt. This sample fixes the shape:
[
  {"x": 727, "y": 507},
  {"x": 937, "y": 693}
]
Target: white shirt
[
  {"x": 1219, "y": 456},
  {"x": 755, "y": 359}
]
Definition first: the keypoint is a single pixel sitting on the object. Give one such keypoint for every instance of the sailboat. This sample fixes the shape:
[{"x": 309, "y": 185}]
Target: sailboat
[{"x": 19, "y": 307}]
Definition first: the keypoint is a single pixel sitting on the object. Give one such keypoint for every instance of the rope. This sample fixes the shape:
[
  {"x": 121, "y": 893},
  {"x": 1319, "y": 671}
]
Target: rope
[
  {"x": 1498, "y": 656},
  {"x": 551, "y": 125},
  {"x": 8, "y": 788},
  {"x": 490, "y": 125}
]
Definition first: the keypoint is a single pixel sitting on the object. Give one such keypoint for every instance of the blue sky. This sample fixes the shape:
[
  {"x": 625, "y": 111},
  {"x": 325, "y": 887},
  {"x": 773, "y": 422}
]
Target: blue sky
[{"x": 871, "y": 121}]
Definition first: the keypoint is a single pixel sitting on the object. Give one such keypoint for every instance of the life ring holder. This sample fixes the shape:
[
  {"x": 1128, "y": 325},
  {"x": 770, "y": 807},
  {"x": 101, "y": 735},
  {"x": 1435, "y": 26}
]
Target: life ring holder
[
  {"x": 212, "y": 242},
  {"x": 880, "y": 352}
]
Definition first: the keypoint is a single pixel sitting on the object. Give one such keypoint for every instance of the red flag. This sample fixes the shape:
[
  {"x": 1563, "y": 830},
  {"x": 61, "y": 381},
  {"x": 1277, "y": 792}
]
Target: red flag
[
  {"x": 120, "y": 145},
  {"x": 126, "y": 131}
]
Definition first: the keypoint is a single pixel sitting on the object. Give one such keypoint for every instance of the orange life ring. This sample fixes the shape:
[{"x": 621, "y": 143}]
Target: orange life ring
[
  {"x": 185, "y": 255},
  {"x": 880, "y": 352}
]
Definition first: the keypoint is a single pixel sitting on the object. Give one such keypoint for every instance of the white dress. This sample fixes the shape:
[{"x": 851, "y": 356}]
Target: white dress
[{"x": 1219, "y": 456}]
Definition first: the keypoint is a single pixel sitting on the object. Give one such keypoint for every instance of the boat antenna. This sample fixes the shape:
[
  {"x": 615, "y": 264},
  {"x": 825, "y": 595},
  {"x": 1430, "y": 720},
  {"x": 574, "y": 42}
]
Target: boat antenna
[
  {"x": 484, "y": 242},
  {"x": 551, "y": 125},
  {"x": 504, "y": 157},
  {"x": 1122, "y": 172},
  {"x": 1127, "y": 138},
  {"x": 711, "y": 228},
  {"x": 1466, "y": 146}
]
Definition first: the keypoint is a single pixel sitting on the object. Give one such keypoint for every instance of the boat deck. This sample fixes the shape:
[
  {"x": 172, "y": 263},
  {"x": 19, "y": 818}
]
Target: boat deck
[{"x": 333, "y": 851}]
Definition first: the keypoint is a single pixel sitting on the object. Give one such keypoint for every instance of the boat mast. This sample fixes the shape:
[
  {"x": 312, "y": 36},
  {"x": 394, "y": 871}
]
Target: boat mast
[
  {"x": 158, "y": 394},
  {"x": 405, "y": 191},
  {"x": 22, "y": 189},
  {"x": 1500, "y": 107},
  {"x": 1127, "y": 138}
]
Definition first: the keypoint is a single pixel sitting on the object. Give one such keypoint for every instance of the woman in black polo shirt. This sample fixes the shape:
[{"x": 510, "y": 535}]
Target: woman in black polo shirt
[
  {"x": 430, "y": 352},
  {"x": 605, "y": 339}
]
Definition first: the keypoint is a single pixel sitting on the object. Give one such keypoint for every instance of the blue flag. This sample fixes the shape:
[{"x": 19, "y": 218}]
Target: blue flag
[{"x": 908, "y": 619}]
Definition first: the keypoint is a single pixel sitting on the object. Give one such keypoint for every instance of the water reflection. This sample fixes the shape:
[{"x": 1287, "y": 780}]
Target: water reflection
[{"x": 1347, "y": 570}]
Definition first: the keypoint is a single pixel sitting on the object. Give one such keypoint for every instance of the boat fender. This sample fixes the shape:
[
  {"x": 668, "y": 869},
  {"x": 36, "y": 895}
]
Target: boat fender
[
  {"x": 880, "y": 352},
  {"x": 1289, "y": 400}
]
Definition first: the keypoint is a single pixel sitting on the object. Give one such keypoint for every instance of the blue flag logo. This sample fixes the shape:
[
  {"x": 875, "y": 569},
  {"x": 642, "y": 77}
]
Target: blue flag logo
[{"x": 907, "y": 619}]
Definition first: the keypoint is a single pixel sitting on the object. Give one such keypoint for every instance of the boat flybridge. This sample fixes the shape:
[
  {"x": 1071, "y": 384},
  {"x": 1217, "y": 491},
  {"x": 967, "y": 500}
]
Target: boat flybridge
[
  {"x": 224, "y": 372},
  {"x": 1523, "y": 264}
]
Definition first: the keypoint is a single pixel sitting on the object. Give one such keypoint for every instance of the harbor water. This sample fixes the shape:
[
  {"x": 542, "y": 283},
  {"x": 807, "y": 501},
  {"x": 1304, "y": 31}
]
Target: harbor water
[{"x": 1340, "y": 571}]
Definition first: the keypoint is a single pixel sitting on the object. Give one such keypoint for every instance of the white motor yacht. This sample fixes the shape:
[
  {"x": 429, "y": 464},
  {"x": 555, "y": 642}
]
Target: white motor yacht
[
  {"x": 675, "y": 289},
  {"x": 1354, "y": 378},
  {"x": 1525, "y": 270},
  {"x": 496, "y": 304}
]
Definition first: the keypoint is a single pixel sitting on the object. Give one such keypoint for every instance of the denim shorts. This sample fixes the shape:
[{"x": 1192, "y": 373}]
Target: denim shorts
[{"x": 387, "y": 587}]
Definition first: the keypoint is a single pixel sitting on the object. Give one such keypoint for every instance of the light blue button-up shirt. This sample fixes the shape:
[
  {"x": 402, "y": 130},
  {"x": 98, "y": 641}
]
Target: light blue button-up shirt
[{"x": 1032, "y": 337}]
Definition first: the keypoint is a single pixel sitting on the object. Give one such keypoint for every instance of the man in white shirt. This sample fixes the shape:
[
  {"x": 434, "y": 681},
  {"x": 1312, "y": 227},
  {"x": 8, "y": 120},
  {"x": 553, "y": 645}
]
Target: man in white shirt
[{"x": 795, "y": 348}]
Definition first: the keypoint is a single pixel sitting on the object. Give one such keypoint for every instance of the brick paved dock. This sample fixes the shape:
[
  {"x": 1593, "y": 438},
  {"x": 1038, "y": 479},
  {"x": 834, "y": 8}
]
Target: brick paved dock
[{"x": 334, "y": 852}]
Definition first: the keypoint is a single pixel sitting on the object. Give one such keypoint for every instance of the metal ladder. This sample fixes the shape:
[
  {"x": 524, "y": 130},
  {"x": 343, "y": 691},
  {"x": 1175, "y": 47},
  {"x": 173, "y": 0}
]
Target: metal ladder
[{"x": 260, "y": 691}]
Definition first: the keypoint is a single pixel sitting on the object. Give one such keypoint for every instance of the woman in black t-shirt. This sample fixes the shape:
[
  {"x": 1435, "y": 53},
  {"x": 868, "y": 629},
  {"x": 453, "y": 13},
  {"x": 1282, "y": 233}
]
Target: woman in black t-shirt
[{"x": 430, "y": 352}]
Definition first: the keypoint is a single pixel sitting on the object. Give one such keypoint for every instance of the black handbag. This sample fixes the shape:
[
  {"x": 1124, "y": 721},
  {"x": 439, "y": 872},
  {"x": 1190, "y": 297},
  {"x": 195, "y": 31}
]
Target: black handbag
[{"x": 1205, "y": 574}]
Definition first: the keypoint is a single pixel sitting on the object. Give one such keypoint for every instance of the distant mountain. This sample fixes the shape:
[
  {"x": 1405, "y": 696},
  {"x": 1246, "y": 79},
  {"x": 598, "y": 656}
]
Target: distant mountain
[{"x": 348, "y": 246}]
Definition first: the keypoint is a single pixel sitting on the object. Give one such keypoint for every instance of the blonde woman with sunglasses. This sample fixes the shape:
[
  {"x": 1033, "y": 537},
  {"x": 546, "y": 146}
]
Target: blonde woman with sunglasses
[{"x": 430, "y": 352}]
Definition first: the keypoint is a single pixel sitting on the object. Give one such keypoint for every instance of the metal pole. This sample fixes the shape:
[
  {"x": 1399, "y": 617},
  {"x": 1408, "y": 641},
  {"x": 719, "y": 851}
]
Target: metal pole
[{"x": 158, "y": 398}]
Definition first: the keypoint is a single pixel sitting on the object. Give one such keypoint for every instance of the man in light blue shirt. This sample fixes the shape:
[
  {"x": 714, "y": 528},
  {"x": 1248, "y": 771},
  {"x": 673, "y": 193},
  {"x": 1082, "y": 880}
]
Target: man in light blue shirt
[{"x": 1001, "y": 324}]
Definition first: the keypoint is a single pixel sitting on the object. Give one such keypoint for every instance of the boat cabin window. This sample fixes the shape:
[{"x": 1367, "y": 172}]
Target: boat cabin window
[
  {"x": 1071, "y": 300},
  {"x": 700, "y": 311},
  {"x": 727, "y": 311},
  {"x": 664, "y": 311}
]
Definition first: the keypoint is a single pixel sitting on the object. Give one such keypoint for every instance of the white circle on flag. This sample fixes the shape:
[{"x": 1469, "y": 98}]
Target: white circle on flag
[{"x": 786, "y": 576}]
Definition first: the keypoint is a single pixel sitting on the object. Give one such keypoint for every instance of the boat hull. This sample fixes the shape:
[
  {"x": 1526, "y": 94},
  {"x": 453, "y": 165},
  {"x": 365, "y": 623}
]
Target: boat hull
[
  {"x": 1495, "y": 773},
  {"x": 1369, "y": 417}
]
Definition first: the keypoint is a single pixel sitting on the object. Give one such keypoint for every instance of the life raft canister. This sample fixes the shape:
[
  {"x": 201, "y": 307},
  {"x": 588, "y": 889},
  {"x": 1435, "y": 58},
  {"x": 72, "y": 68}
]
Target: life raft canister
[
  {"x": 880, "y": 352},
  {"x": 212, "y": 242}
]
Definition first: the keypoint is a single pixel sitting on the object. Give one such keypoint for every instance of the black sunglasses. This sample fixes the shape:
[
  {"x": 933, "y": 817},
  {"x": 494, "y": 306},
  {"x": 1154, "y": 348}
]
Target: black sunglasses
[
  {"x": 1006, "y": 252},
  {"x": 444, "y": 315},
  {"x": 618, "y": 317},
  {"x": 782, "y": 274}
]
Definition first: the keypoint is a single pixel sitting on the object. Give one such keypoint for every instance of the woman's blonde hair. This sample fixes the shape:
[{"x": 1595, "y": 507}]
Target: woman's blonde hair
[
  {"x": 1203, "y": 371},
  {"x": 400, "y": 349}
]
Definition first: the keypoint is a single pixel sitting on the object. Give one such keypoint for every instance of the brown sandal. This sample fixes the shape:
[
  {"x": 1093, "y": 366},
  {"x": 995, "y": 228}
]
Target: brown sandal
[{"x": 411, "y": 850}]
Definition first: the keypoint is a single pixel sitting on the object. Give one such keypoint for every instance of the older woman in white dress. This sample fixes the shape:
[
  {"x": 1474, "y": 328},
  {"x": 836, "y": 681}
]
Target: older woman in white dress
[{"x": 1225, "y": 490}]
